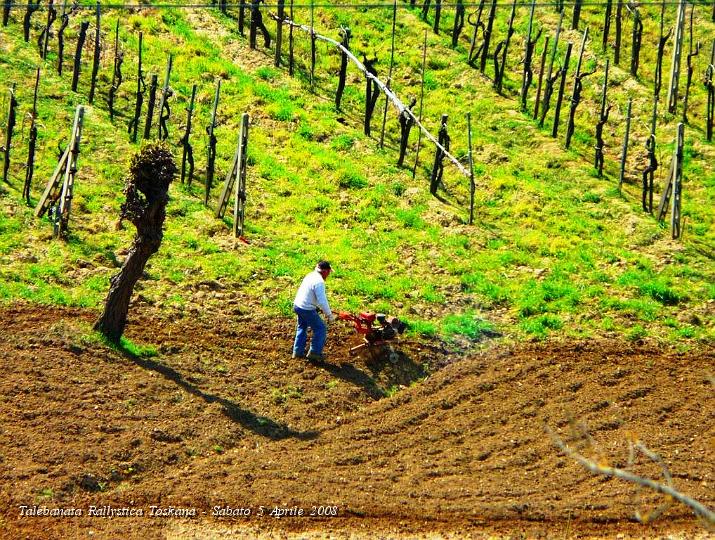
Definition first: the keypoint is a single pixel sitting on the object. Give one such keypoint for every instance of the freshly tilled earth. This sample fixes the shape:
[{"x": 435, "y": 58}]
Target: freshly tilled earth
[{"x": 223, "y": 417}]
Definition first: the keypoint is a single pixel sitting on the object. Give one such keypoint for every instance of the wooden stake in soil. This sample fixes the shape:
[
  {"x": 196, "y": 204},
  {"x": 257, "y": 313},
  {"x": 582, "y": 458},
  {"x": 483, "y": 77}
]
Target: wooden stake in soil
[
  {"x": 675, "y": 63},
  {"x": 150, "y": 106},
  {"x": 710, "y": 87},
  {"x": 188, "y": 150},
  {"x": 372, "y": 90},
  {"x": 290, "y": 43},
  {"x": 637, "y": 39},
  {"x": 95, "y": 61},
  {"x": 541, "y": 76},
  {"x": 239, "y": 202},
  {"x": 6, "y": 12},
  {"x": 212, "y": 146},
  {"x": 458, "y": 22},
  {"x": 438, "y": 166},
  {"x": 9, "y": 127},
  {"x": 437, "y": 15},
  {"x": 141, "y": 88},
  {"x": 472, "y": 185},
  {"x": 279, "y": 31},
  {"x": 562, "y": 87},
  {"x": 677, "y": 184},
  {"x": 648, "y": 174},
  {"x": 116, "y": 73},
  {"x": 577, "y": 89},
  {"x": 31, "y": 8},
  {"x": 551, "y": 79},
  {"x": 691, "y": 54},
  {"x": 312, "y": 43},
  {"x": 389, "y": 75},
  {"x": 473, "y": 56},
  {"x": 503, "y": 47},
  {"x": 242, "y": 17},
  {"x": 529, "y": 45},
  {"x": 602, "y": 119},
  {"x": 662, "y": 40},
  {"x": 406, "y": 122},
  {"x": 64, "y": 21},
  {"x": 576, "y": 14},
  {"x": 624, "y": 150},
  {"x": 32, "y": 141},
  {"x": 607, "y": 23},
  {"x": 62, "y": 212},
  {"x": 488, "y": 36},
  {"x": 345, "y": 42},
  {"x": 78, "y": 54},
  {"x": 619, "y": 21},
  {"x": 164, "y": 109},
  {"x": 422, "y": 95},
  {"x": 44, "y": 39}
]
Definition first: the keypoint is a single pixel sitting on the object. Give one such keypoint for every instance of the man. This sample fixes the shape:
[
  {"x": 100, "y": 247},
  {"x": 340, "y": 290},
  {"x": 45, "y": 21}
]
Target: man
[{"x": 310, "y": 296}]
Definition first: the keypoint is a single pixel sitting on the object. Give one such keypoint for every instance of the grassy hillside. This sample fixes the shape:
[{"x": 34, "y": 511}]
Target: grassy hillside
[{"x": 554, "y": 250}]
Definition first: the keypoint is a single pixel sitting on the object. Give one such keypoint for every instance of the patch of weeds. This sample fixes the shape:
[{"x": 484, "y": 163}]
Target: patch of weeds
[
  {"x": 342, "y": 142},
  {"x": 45, "y": 493},
  {"x": 467, "y": 325},
  {"x": 281, "y": 395},
  {"x": 331, "y": 385},
  {"x": 218, "y": 449},
  {"x": 351, "y": 180},
  {"x": 421, "y": 328},
  {"x": 660, "y": 293},
  {"x": 636, "y": 333},
  {"x": 540, "y": 326}
]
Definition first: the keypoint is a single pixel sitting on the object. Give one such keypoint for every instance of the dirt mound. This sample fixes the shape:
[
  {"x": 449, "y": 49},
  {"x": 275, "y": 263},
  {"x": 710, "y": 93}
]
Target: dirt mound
[{"x": 222, "y": 417}]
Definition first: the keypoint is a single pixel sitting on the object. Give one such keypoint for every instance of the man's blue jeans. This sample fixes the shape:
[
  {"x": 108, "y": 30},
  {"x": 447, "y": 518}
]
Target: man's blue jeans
[{"x": 309, "y": 318}]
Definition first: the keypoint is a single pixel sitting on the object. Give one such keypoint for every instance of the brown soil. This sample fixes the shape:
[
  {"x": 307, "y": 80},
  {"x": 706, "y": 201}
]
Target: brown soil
[{"x": 223, "y": 416}]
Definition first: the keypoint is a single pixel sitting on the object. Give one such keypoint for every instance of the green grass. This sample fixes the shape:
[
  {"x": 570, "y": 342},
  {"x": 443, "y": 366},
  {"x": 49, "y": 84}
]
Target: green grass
[{"x": 550, "y": 242}]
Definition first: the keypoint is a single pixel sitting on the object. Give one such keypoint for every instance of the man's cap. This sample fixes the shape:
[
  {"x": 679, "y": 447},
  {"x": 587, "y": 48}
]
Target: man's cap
[{"x": 323, "y": 265}]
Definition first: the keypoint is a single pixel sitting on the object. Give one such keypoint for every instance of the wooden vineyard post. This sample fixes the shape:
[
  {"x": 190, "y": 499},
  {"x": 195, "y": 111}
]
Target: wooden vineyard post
[
  {"x": 709, "y": 83},
  {"x": 345, "y": 42},
  {"x": 438, "y": 166},
  {"x": 576, "y": 14},
  {"x": 389, "y": 75},
  {"x": 78, "y": 54},
  {"x": 437, "y": 15},
  {"x": 577, "y": 89},
  {"x": 290, "y": 43},
  {"x": 673, "y": 186},
  {"x": 236, "y": 177},
  {"x": 64, "y": 21},
  {"x": 648, "y": 174},
  {"x": 602, "y": 119},
  {"x": 239, "y": 201},
  {"x": 372, "y": 91},
  {"x": 44, "y": 39},
  {"x": 541, "y": 76},
  {"x": 164, "y": 110},
  {"x": 151, "y": 103},
  {"x": 62, "y": 212},
  {"x": 691, "y": 54},
  {"x": 211, "y": 161},
  {"x": 32, "y": 141},
  {"x": 422, "y": 95},
  {"x": 624, "y": 151},
  {"x": 95, "y": 61},
  {"x": 458, "y": 22},
  {"x": 503, "y": 48},
  {"x": 7, "y": 4},
  {"x": 662, "y": 40},
  {"x": 116, "y": 72},
  {"x": 279, "y": 32},
  {"x": 473, "y": 56},
  {"x": 562, "y": 87},
  {"x": 188, "y": 151},
  {"x": 607, "y": 24},
  {"x": 472, "y": 185},
  {"x": 488, "y": 36},
  {"x": 636, "y": 41},
  {"x": 551, "y": 79},
  {"x": 10, "y": 126},
  {"x": 312, "y": 44},
  {"x": 30, "y": 9},
  {"x": 619, "y": 24},
  {"x": 141, "y": 88},
  {"x": 675, "y": 63},
  {"x": 529, "y": 45}
]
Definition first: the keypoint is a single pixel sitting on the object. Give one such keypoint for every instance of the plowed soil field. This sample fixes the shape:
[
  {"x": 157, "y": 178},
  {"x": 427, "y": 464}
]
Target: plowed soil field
[{"x": 222, "y": 421}]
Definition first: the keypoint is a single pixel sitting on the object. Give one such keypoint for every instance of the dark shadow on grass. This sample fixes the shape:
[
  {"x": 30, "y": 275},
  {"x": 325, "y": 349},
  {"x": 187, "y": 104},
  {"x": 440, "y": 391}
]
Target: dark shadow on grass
[{"x": 260, "y": 425}]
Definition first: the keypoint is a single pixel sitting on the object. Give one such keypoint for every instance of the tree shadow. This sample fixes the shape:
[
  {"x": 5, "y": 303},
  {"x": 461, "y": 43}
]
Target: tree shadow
[{"x": 260, "y": 425}]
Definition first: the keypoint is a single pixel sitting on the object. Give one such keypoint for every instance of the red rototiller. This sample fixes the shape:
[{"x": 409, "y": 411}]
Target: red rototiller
[{"x": 376, "y": 329}]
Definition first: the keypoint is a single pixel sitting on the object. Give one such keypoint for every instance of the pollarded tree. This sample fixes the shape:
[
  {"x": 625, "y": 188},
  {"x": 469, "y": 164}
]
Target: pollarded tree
[{"x": 151, "y": 172}]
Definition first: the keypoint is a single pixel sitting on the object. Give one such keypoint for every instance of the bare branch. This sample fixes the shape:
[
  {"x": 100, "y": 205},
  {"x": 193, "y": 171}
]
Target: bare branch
[{"x": 700, "y": 510}]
